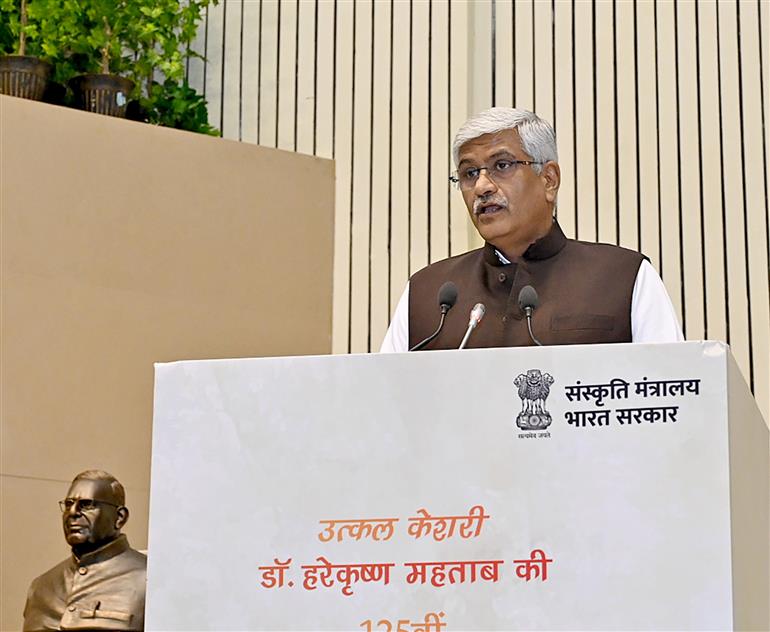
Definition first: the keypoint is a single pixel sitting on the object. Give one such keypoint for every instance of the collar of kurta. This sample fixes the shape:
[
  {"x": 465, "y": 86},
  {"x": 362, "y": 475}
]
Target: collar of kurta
[
  {"x": 544, "y": 248},
  {"x": 116, "y": 547}
]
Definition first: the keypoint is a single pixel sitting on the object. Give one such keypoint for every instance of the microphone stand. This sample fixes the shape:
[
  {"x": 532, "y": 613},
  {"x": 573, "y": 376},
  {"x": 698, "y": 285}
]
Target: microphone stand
[
  {"x": 444, "y": 309},
  {"x": 528, "y": 313},
  {"x": 477, "y": 313},
  {"x": 466, "y": 336}
]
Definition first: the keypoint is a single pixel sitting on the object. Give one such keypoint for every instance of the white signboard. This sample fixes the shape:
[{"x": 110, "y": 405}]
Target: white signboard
[{"x": 554, "y": 488}]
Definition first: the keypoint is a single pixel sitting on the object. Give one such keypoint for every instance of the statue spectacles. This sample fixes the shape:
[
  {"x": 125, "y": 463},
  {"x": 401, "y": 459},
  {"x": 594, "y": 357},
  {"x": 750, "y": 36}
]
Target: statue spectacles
[
  {"x": 465, "y": 178},
  {"x": 82, "y": 504}
]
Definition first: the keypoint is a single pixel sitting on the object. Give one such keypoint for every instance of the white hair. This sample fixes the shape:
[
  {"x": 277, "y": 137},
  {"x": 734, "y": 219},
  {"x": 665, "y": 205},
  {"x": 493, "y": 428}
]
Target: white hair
[{"x": 537, "y": 136}]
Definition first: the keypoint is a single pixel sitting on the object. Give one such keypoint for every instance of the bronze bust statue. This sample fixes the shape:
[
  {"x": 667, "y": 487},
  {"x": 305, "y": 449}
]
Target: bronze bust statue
[{"x": 101, "y": 586}]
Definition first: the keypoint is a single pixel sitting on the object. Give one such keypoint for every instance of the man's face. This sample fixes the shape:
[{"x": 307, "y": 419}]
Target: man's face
[
  {"x": 88, "y": 528},
  {"x": 509, "y": 213}
]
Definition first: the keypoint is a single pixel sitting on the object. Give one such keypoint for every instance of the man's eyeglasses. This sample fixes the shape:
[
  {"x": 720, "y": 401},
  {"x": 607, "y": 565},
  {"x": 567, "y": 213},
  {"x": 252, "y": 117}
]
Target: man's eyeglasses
[
  {"x": 82, "y": 504},
  {"x": 465, "y": 178}
]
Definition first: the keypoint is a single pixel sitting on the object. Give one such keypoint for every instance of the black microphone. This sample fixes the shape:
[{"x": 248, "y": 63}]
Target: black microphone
[
  {"x": 528, "y": 302},
  {"x": 477, "y": 313},
  {"x": 447, "y": 297}
]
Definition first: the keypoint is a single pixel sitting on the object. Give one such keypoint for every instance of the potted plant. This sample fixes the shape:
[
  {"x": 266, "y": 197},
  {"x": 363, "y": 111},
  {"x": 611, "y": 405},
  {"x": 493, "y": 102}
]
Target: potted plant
[
  {"x": 100, "y": 40},
  {"x": 22, "y": 74},
  {"x": 123, "y": 44},
  {"x": 113, "y": 51}
]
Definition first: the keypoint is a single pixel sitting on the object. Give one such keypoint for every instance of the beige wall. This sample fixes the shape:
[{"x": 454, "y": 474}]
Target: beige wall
[
  {"x": 123, "y": 245},
  {"x": 658, "y": 108}
]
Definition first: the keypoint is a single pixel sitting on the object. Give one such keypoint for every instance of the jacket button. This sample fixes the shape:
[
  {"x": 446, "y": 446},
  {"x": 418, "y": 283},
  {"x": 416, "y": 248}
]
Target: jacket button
[
  {"x": 82, "y": 570},
  {"x": 71, "y": 608},
  {"x": 501, "y": 277},
  {"x": 505, "y": 319}
]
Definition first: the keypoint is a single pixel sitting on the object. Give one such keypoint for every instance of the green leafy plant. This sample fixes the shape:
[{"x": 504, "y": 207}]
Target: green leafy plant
[
  {"x": 15, "y": 27},
  {"x": 161, "y": 45},
  {"x": 59, "y": 27},
  {"x": 133, "y": 37},
  {"x": 40, "y": 28},
  {"x": 177, "y": 105},
  {"x": 94, "y": 36},
  {"x": 161, "y": 41},
  {"x": 26, "y": 26},
  {"x": 147, "y": 41},
  {"x": 8, "y": 19},
  {"x": 110, "y": 25}
]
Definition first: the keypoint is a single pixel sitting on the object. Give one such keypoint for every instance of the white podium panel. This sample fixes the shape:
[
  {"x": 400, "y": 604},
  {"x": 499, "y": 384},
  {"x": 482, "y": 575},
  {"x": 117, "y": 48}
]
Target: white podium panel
[{"x": 582, "y": 487}]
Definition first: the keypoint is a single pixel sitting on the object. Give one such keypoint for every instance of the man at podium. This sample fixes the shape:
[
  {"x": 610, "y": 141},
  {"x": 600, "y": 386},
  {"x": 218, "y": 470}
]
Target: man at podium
[{"x": 535, "y": 284}]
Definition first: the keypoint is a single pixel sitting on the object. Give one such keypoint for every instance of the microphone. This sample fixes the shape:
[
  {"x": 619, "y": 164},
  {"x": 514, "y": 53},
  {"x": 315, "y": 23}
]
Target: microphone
[
  {"x": 528, "y": 302},
  {"x": 447, "y": 297},
  {"x": 477, "y": 313}
]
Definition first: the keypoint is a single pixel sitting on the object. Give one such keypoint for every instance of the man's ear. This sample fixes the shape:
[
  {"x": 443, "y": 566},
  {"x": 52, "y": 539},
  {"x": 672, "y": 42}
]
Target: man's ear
[
  {"x": 551, "y": 175},
  {"x": 121, "y": 518}
]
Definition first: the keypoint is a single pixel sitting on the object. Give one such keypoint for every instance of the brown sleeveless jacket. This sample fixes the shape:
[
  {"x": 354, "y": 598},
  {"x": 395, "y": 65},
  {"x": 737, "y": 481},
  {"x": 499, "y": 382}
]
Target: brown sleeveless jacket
[{"x": 584, "y": 289}]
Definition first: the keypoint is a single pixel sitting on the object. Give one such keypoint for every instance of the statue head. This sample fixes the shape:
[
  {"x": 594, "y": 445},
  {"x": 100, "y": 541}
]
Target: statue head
[{"x": 93, "y": 513}]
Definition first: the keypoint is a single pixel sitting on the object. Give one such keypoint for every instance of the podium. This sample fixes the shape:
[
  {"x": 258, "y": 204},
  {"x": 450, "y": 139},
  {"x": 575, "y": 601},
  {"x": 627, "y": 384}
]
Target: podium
[{"x": 558, "y": 488}]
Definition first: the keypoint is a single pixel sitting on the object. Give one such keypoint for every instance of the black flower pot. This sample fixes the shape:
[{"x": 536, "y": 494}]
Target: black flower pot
[
  {"x": 24, "y": 76},
  {"x": 103, "y": 94}
]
